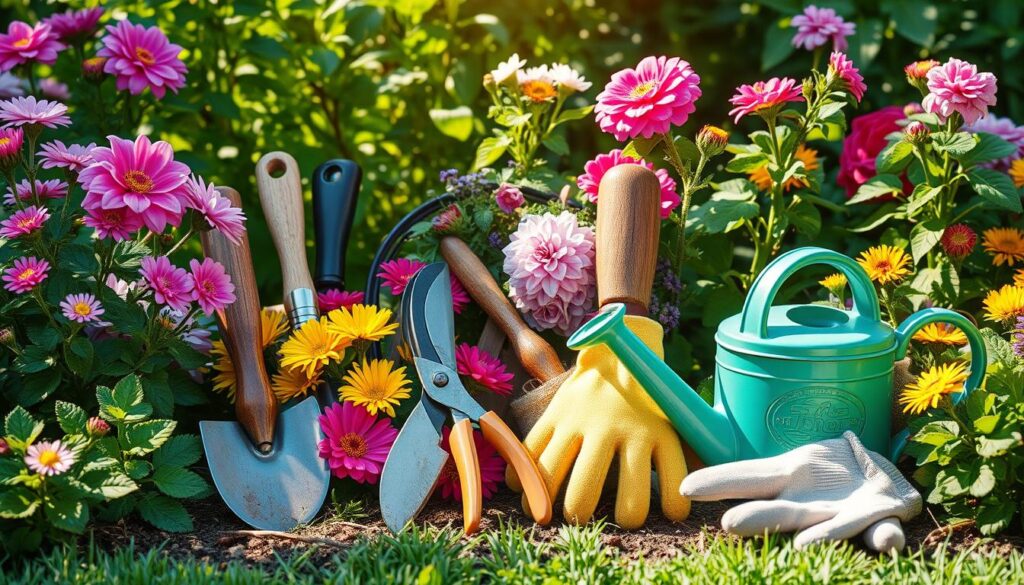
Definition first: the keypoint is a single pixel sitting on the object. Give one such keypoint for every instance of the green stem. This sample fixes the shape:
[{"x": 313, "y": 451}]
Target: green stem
[{"x": 180, "y": 241}]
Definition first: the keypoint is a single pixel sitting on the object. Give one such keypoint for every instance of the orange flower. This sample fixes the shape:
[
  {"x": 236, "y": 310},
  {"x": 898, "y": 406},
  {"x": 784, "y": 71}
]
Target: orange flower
[
  {"x": 1005, "y": 244},
  {"x": 1017, "y": 172},
  {"x": 763, "y": 180}
]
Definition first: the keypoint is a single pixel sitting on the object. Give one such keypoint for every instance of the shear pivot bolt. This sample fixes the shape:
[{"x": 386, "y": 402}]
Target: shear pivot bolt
[{"x": 440, "y": 379}]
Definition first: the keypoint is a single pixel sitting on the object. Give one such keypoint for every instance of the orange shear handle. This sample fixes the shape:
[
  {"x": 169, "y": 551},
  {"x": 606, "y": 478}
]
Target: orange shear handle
[
  {"x": 515, "y": 454},
  {"x": 466, "y": 462}
]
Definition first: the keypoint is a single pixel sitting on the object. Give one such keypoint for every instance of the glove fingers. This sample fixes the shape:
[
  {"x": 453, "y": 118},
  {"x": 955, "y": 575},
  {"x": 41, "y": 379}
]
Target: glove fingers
[
  {"x": 557, "y": 459},
  {"x": 535, "y": 443},
  {"x": 633, "y": 498},
  {"x": 754, "y": 479},
  {"x": 754, "y": 518},
  {"x": 849, "y": 523},
  {"x": 587, "y": 480},
  {"x": 671, "y": 466},
  {"x": 885, "y": 535}
]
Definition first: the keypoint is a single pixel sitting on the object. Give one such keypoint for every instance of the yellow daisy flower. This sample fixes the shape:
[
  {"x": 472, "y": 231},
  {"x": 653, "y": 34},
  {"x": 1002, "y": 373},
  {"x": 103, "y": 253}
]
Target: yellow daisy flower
[
  {"x": 224, "y": 380},
  {"x": 1017, "y": 172},
  {"x": 835, "y": 283},
  {"x": 1018, "y": 278},
  {"x": 885, "y": 264},
  {"x": 273, "y": 324},
  {"x": 1005, "y": 304},
  {"x": 763, "y": 180},
  {"x": 292, "y": 382},
  {"x": 1006, "y": 244},
  {"x": 365, "y": 322},
  {"x": 312, "y": 347},
  {"x": 941, "y": 333},
  {"x": 931, "y": 386},
  {"x": 376, "y": 385}
]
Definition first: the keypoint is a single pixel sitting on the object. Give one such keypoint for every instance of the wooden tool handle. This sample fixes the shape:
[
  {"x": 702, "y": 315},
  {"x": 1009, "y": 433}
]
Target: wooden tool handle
[
  {"x": 536, "y": 355},
  {"x": 463, "y": 448},
  {"x": 628, "y": 221},
  {"x": 514, "y": 453},
  {"x": 281, "y": 198},
  {"x": 255, "y": 404}
]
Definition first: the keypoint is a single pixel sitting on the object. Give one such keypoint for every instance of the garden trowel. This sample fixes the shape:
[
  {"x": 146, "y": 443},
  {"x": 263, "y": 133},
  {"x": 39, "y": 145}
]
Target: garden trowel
[{"x": 266, "y": 465}]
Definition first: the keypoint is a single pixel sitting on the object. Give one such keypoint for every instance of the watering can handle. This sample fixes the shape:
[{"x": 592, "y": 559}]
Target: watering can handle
[
  {"x": 767, "y": 285},
  {"x": 979, "y": 358}
]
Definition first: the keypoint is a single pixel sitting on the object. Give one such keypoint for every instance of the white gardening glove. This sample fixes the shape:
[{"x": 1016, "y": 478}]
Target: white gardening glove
[{"x": 830, "y": 490}]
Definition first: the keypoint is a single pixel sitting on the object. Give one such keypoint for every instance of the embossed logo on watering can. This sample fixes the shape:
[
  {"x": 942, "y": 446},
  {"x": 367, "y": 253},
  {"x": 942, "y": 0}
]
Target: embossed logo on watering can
[{"x": 814, "y": 413}]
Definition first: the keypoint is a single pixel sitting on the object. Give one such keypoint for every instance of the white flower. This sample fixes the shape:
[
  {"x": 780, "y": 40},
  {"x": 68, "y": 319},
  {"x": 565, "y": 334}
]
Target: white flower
[
  {"x": 540, "y": 73},
  {"x": 508, "y": 68},
  {"x": 10, "y": 86},
  {"x": 566, "y": 76}
]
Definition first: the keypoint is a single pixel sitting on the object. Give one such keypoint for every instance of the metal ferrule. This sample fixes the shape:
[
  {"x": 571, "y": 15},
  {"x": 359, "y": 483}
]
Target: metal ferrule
[{"x": 302, "y": 306}]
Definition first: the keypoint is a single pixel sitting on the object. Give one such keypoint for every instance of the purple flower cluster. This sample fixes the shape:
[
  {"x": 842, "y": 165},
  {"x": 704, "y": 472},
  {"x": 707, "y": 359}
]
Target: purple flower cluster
[
  {"x": 1018, "y": 338},
  {"x": 462, "y": 186}
]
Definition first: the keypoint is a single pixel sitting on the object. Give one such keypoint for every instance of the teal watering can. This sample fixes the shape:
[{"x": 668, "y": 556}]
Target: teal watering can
[{"x": 788, "y": 375}]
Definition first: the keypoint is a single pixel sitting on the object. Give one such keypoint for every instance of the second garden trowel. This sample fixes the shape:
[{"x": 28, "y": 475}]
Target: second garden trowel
[{"x": 265, "y": 466}]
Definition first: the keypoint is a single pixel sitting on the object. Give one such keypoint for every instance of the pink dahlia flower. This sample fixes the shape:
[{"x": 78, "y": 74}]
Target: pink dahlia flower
[
  {"x": 492, "y": 468},
  {"x": 211, "y": 285},
  {"x": 27, "y": 44},
  {"x": 483, "y": 368},
  {"x": 142, "y": 57},
  {"x": 862, "y": 145},
  {"x": 958, "y": 87},
  {"x": 141, "y": 176},
  {"x": 215, "y": 209},
  {"x": 19, "y": 111},
  {"x": 27, "y": 273},
  {"x": 550, "y": 264},
  {"x": 816, "y": 26},
  {"x": 119, "y": 224},
  {"x": 509, "y": 198},
  {"x": 54, "y": 89},
  {"x": 333, "y": 299},
  {"x": 46, "y": 458},
  {"x": 764, "y": 95},
  {"x": 24, "y": 222},
  {"x": 49, "y": 189},
  {"x": 1004, "y": 128},
  {"x": 75, "y": 25},
  {"x": 73, "y": 158},
  {"x": 843, "y": 69},
  {"x": 355, "y": 443},
  {"x": 171, "y": 286},
  {"x": 658, "y": 94},
  {"x": 11, "y": 140},
  {"x": 595, "y": 169},
  {"x": 81, "y": 308},
  {"x": 397, "y": 273}
]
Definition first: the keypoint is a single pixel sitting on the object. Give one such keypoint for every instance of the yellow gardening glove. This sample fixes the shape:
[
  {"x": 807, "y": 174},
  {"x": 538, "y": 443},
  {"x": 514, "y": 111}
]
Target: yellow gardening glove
[{"x": 601, "y": 412}]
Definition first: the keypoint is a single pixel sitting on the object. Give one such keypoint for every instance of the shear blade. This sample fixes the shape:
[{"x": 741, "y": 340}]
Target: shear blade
[
  {"x": 427, "y": 305},
  {"x": 412, "y": 468}
]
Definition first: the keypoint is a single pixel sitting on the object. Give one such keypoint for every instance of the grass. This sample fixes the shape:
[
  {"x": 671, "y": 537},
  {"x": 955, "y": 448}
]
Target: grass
[{"x": 509, "y": 555}]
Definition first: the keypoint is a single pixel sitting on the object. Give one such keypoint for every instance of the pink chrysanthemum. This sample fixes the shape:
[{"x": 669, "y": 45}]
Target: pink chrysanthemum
[
  {"x": 843, "y": 68},
  {"x": 54, "y": 89},
  {"x": 509, "y": 198},
  {"x": 492, "y": 468},
  {"x": 11, "y": 140},
  {"x": 483, "y": 368},
  {"x": 397, "y": 273},
  {"x": 333, "y": 299},
  {"x": 1004, "y": 128},
  {"x": 816, "y": 26},
  {"x": 26, "y": 274},
  {"x": 958, "y": 87},
  {"x": 658, "y": 94},
  {"x": 550, "y": 264},
  {"x": 25, "y": 44},
  {"x": 49, "y": 189},
  {"x": 171, "y": 286},
  {"x": 211, "y": 285},
  {"x": 49, "y": 458},
  {"x": 81, "y": 308},
  {"x": 75, "y": 25},
  {"x": 119, "y": 224},
  {"x": 215, "y": 209},
  {"x": 74, "y": 158},
  {"x": 142, "y": 57},
  {"x": 24, "y": 222},
  {"x": 355, "y": 443},
  {"x": 764, "y": 95},
  {"x": 141, "y": 176},
  {"x": 460, "y": 298},
  {"x": 19, "y": 111},
  {"x": 595, "y": 170}
]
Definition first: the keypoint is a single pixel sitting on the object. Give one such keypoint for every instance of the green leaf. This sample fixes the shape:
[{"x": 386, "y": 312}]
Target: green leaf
[
  {"x": 79, "y": 356},
  {"x": 986, "y": 424},
  {"x": 187, "y": 357},
  {"x": 178, "y": 451},
  {"x": 158, "y": 393},
  {"x": 79, "y": 259},
  {"x": 490, "y": 150},
  {"x": 556, "y": 143},
  {"x": 70, "y": 417},
  {"x": 483, "y": 217},
  {"x": 878, "y": 186},
  {"x": 574, "y": 114},
  {"x": 995, "y": 514},
  {"x": 165, "y": 513},
  {"x": 46, "y": 336},
  {"x": 990, "y": 147},
  {"x": 924, "y": 236},
  {"x": 996, "y": 188},
  {"x": 178, "y": 483},
  {"x": 778, "y": 44},
  {"x": 37, "y": 387},
  {"x": 67, "y": 514},
  {"x": 18, "y": 502},
  {"x": 128, "y": 392},
  {"x": 806, "y": 218},
  {"x": 138, "y": 469},
  {"x": 895, "y": 157},
  {"x": 326, "y": 59},
  {"x": 34, "y": 359},
  {"x": 746, "y": 162},
  {"x": 920, "y": 197},
  {"x": 640, "y": 147},
  {"x": 716, "y": 216},
  {"x": 915, "y": 19},
  {"x": 686, "y": 148},
  {"x": 124, "y": 401},
  {"x": 265, "y": 47},
  {"x": 146, "y": 437},
  {"x": 21, "y": 429},
  {"x": 456, "y": 123},
  {"x": 936, "y": 433},
  {"x": 999, "y": 350},
  {"x": 956, "y": 143}
]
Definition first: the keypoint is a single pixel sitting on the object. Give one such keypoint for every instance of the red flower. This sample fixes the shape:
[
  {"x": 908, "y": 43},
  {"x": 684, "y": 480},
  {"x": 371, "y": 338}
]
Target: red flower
[
  {"x": 958, "y": 240},
  {"x": 862, "y": 145}
]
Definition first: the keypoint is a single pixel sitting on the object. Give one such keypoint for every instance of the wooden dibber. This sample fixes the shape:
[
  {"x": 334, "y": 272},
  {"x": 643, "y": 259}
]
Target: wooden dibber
[{"x": 255, "y": 404}]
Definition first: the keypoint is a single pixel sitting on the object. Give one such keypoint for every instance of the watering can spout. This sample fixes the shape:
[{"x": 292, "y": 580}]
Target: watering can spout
[{"x": 707, "y": 430}]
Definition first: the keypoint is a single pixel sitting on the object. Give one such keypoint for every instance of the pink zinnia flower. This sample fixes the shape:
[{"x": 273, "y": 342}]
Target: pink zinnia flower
[
  {"x": 11, "y": 140},
  {"x": 26, "y": 274},
  {"x": 74, "y": 158},
  {"x": 355, "y": 443},
  {"x": 24, "y": 44},
  {"x": 1004, "y": 128},
  {"x": 764, "y": 95},
  {"x": 397, "y": 273},
  {"x": 215, "y": 209},
  {"x": 958, "y": 87},
  {"x": 142, "y": 57},
  {"x": 483, "y": 368},
  {"x": 816, "y": 26},
  {"x": 171, "y": 286},
  {"x": 333, "y": 299},
  {"x": 460, "y": 298},
  {"x": 81, "y": 308},
  {"x": 958, "y": 240},
  {"x": 844, "y": 69},
  {"x": 24, "y": 222},
  {"x": 54, "y": 89},
  {"x": 75, "y": 25},
  {"x": 49, "y": 189},
  {"x": 595, "y": 169},
  {"x": 211, "y": 285},
  {"x": 509, "y": 198},
  {"x": 658, "y": 94},
  {"x": 141, "y": 176},
  {"x": 492, "y": 468},
  {"x": 119, "y": 224},
  {"x": 49, "y": 458},
  {"x": 19, "y": 111}
]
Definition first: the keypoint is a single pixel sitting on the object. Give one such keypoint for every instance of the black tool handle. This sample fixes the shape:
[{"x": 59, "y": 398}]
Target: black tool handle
[{"x": 335, "y": 194}]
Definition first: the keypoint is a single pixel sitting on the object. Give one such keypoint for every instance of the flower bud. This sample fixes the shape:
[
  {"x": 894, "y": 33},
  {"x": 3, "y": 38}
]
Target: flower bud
[
  {"x": 92, "y": 68},
  {"x": 712, "y": 140},
  {"x": 489, "y": 84},
  {"x": 97, "y": 427},
  {"x": 11, "y": 140},
  {"x": 446, "y": 221},
  {"x": 4, "y": 447},
  {"x": 916, "y": 133},
  {"x": 958, "y": 240},
  {"x": 807, "y": 89},
  {"x": 912, "y": 108},
  {"x": 7, "y": 338},
  {"x": 917, "y": 73}
]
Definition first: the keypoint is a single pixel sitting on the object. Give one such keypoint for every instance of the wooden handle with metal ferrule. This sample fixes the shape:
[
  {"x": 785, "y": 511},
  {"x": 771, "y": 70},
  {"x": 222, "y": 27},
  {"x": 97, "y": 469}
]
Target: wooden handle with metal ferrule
[
  {"x": 536, "y": 355},
  {"x": 628, "y": 222},
  {"x": 460, "y": 440},
  {"x": 255, "y": 404},
  {"x": 515, "y": 454}
]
